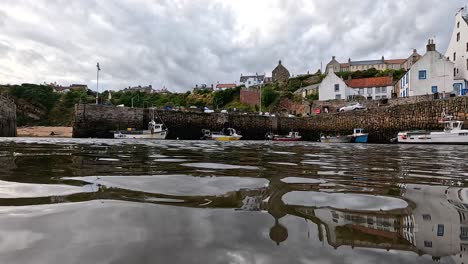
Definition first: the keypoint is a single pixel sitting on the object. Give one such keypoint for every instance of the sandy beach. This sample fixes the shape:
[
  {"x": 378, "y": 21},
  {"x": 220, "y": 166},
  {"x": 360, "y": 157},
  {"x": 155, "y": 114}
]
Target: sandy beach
[{"x": 41, "y": 131}]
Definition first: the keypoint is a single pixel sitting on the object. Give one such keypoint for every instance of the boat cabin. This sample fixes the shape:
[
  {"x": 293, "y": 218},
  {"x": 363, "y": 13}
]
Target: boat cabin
[
  {"x": 293, "y": 135},
  {"x": 453, "y": 125},
  {"x": 358, "y": 131}
]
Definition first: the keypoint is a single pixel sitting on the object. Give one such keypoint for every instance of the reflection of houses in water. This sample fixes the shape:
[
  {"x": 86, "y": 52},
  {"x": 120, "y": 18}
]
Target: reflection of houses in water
[
  {"x": 436, "y": 225},
  {"x": 359, "y": 228}
]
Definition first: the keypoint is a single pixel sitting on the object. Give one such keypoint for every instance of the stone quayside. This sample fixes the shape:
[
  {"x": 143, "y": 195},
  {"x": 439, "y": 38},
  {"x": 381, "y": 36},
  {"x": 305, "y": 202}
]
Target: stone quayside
[{"x": 382, "y": 123}]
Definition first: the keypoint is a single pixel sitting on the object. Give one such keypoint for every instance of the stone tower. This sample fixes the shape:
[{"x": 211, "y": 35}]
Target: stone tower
[{"x": 280, "y": 73}]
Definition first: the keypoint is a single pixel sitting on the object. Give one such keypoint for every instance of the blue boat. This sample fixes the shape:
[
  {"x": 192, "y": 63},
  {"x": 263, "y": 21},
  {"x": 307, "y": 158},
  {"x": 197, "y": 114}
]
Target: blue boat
[{"x": 359, "y": 136}]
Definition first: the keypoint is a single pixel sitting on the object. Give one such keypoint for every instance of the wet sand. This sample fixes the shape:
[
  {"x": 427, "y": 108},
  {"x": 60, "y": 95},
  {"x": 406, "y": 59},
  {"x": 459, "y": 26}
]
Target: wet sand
[{"x": 41, "y": 131}]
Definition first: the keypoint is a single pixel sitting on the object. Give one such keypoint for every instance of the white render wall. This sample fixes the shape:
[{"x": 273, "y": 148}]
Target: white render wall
[
  {"x": 459, "y": 47},
  {"x": 439, "y": 72},
  {"x": 375, "y": 92},
  {"x": 253, "y": 81},
  {"x": 327, "y": 88}
]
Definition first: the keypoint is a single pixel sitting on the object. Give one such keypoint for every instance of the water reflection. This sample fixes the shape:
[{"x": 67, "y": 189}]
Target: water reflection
[{"x": 176, "y": 202}]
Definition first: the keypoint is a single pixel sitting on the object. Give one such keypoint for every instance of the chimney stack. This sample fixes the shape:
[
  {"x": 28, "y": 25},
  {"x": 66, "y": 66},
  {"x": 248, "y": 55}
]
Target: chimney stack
[
  {"x": 333, "y": 57},
  {"x": 430, "y": 45}
]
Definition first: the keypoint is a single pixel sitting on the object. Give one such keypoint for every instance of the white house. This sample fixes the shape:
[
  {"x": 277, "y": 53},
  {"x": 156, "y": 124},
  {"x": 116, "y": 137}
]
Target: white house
[
  {"x": 252, "y": 80},
  {"x": 334, "y": 88},
  {"x": 432, "y": 73},
  {"x": 458, "y": 52},
  {"x": 374, "y": 88}
]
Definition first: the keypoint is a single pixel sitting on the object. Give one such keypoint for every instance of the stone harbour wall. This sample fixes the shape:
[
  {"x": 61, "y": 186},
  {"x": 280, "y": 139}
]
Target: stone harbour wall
[
  {"x": 382, "y": 123},
  {"x": 7, "y": 117}
]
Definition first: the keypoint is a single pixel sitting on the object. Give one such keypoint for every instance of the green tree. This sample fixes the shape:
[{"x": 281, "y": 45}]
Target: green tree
[{"x": 269, "y": 96}]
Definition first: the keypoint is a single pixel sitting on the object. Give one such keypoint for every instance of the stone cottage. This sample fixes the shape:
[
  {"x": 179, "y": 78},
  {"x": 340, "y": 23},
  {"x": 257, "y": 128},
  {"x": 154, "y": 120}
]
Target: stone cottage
[{"x": 280, "y": 73}]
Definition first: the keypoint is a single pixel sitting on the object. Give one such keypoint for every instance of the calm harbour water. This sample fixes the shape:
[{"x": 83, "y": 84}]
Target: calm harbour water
[{"x": 111, "y": 201}]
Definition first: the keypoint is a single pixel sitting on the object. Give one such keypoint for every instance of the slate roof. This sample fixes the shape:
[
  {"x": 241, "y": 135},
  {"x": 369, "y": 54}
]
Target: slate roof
[
  {"x": 307, "y": 88},
  {"x": 244, "y": 78}
]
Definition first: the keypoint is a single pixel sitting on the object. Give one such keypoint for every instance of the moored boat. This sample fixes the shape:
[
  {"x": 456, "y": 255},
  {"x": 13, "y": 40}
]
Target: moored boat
[
  {"x": 292, "y": 136},
  {"x": 336, "y": 139},
  {"x": 453, "y": 133},
  {"x": 227, "y": 134},
  {"x": 359, "y": 136},
  {"x": 154, "y": 131}
]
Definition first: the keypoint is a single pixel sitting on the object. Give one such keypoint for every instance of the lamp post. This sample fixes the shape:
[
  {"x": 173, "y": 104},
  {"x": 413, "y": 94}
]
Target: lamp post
[{"x": 97, "y": 82}]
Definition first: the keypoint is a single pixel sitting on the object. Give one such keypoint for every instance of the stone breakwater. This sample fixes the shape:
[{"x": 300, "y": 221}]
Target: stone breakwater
[
  {"x": 382, "y": 123},
  {"x": 7, "y": 117}
]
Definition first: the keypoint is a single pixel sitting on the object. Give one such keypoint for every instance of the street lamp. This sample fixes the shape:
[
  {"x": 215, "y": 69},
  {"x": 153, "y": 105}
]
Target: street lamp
[{"x": 97, "y": 82}]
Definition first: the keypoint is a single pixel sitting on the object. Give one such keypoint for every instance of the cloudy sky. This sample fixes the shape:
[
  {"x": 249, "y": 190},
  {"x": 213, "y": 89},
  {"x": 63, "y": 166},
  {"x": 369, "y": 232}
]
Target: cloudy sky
[{"x": 178, "y": 43}]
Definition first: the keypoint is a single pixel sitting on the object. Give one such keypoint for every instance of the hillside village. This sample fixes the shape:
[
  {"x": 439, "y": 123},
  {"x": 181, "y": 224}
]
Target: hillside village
[{"x": 427, "y": 76}]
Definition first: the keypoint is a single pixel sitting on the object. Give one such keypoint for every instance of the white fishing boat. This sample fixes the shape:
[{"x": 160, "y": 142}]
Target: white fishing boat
[
  {"x": 336, "y": 139},
  {"x": 154, "y": 131},
  {"x": 453, "y": 133},
  {"x": 227, "y": 134}
]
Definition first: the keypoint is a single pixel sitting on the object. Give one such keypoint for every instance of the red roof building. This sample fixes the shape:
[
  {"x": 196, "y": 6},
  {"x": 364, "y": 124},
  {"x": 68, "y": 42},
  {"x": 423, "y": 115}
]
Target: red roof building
[
  {"x": 372, "y": 88},
  {"x": 224, "y": 86},
  {"x": 370, "y": 82}
]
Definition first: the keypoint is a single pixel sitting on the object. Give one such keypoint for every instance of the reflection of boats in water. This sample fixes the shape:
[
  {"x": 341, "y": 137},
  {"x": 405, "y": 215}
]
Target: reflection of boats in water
[
  {"x": 227, "y": 134},
  {"x": 291, "y": 136},
  {"x": 154, "y": 131}
]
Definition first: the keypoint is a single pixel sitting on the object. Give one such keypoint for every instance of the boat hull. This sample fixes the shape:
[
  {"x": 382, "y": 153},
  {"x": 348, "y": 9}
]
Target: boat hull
[
  {"x": 345, "y": 139},
  {"x": 226, "y": 138},
  {"x": 285, "y": 139},
  {"x": 144, "y": 135},
  {"x": 360, "y": 139},
  {"x": 456, "y": 138}
]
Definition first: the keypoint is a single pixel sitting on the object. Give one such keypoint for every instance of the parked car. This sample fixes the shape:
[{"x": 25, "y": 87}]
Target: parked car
[
  {"x": 209, "y": 111},
  {"x": 352, "y": 107},
  {"x": 289, "y": 115},
  {"x": 224, "y": 111}
]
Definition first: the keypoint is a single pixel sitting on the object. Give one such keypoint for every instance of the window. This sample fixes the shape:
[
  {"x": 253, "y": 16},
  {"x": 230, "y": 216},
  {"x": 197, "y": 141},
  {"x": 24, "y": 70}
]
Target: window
[
  {"x": 426, "y": 217},
  {"x": 338, "y": 97},
  {"x": 383, "y": 90},
  {"x": 454, "y": 72},
  {"x": 377, "y": 97},
  {"x": 428, "y": 244},
  {"x": 467, "y": 64},
  {"x": 458, "y": 36},
  {"x": 434, "y": 90},
  {"x": 337, "y": 87},
  {"x": 384, "y": 97},
  {"x": 454, "y": 56},
  {"x": 467, "y": 46},
  {"x": 369, "y": 91},
  {"x": 463, "y": 233},
  {"x": 440, "y": 230},
  {"x": 406, "y": 78},
  {"x": 422, "y": 75},
  {"x": 458, "y": 24},
  {"x": 361, "y": 91}
]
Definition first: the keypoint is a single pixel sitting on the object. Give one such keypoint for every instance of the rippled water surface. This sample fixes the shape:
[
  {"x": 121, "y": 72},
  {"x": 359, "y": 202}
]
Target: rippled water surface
[{"x": 110, "y": 201}]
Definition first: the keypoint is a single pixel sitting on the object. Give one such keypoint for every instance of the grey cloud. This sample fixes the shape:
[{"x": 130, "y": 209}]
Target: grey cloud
[{"x": 181, "y": 43}]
